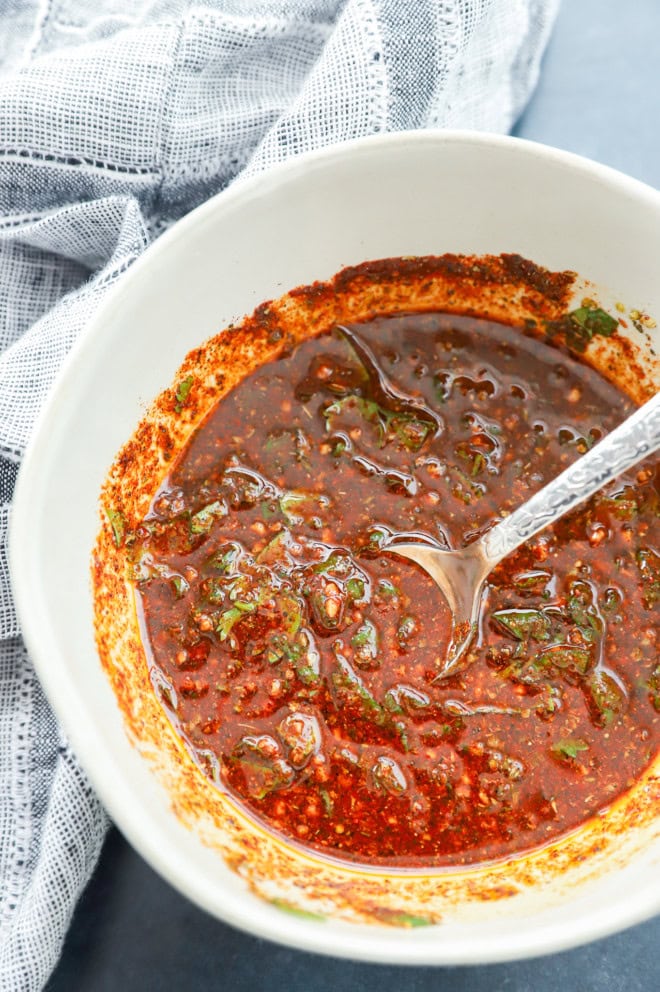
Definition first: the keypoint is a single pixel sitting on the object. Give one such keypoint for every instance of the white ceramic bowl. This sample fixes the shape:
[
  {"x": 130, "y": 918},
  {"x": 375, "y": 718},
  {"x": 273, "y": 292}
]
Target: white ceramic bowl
[{"x": 407, "y": 194}]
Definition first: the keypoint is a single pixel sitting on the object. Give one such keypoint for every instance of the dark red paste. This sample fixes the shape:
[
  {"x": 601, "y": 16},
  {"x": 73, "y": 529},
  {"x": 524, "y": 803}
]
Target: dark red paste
[{"x": 299, "y": 660}]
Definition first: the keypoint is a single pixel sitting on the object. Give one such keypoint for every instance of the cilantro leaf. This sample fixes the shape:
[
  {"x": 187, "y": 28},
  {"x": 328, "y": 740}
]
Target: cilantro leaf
[
  {"x": 605, "y": 697},
  {"x": 648, "y": 563},
  {"x": 229, "y": 618},
  {"x": 182, "y": 392},
  {"x": 117, "y": 523},
  {"x": 524, "y": 624},
  {"x": 593, "y": 320},
  {"x": 569, "y": 748},
  {"x": 202, "y": 521}
]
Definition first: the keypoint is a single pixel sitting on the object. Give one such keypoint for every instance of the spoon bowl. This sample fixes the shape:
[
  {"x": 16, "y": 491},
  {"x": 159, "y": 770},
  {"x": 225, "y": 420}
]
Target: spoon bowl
[{"x": 461, "y": 576}]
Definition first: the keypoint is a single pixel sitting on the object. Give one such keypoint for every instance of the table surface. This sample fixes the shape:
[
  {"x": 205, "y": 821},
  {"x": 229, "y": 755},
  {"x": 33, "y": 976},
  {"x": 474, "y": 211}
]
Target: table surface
[{"x": 598, "y": 95}]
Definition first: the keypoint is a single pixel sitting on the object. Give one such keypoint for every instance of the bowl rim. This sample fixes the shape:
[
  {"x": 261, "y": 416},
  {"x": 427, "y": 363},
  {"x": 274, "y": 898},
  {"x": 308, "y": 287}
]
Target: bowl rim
[{"x": 369, "y": 944}]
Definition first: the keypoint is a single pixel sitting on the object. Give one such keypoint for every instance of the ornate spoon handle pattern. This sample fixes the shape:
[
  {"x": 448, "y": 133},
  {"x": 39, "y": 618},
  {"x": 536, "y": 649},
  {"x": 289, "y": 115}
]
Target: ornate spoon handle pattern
[{"x": 636, "y": 438}]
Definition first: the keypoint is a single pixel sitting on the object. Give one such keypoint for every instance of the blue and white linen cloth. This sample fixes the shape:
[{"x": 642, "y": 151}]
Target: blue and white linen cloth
[{"x": 116, "y": 118}]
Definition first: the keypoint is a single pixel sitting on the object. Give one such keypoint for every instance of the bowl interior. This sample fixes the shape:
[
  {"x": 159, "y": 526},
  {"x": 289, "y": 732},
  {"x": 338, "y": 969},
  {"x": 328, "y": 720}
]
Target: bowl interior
[{"x": 390, "y": 196}]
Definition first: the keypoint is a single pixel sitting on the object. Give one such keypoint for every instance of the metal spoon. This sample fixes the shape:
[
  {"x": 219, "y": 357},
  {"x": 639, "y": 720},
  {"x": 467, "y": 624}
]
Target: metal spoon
[{"x": 461, "y": 574}]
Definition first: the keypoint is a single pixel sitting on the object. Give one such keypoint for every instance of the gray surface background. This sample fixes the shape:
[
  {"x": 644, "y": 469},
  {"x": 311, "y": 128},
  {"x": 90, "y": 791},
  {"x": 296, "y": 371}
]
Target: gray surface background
[{"x": 598, "y": 96}]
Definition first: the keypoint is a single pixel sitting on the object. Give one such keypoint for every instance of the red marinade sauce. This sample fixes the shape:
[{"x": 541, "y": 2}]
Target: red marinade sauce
[{"x": 299, "y": 660}]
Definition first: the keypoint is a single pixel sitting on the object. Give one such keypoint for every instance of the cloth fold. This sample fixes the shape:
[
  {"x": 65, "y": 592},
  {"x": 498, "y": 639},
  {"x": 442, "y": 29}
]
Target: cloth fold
[{"x": 116, "y": 119}]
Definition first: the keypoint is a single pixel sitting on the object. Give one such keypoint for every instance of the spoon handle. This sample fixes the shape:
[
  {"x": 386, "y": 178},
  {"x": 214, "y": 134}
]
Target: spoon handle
[{"x": 637, "y": 437}]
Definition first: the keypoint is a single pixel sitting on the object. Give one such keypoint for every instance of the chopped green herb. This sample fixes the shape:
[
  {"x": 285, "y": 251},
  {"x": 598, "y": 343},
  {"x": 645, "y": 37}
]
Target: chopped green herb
[
  {"x": 648, "y": 562},
  {"x": 179, "y": 585},
  {"x": 182, "y": 392},
  {"x": 367, "y": 409},
  {"x": 549, "y": 701},
  {"x": 365, "y": 642},
  {"x": 231, "y": 617},
  {"x": 612, "y": 601},
  {"x": 269, "y": 510},
  {"x": 291, "y": 609},
  {"x": 533, "y": 672},
  {"x": 215, "y": 589},
  {"x": 117, "y": 523},
  {"x": 275, "y": 551},
  {"x": 351, "y": 691},
  {"x": 278, "y": 646},
  {"x": 583, "y": 611},
  {"x": 400, "y": 919},
  {"x": 566, "y": 657},
  {"x": 534, "y": 581},
  {"x": 307, "y": 675},
  {"x": 225, "y": 559},
  {"x": 478, "y": 464},
  {"x": 340, "y": 445},
  {"x": 303, "y": 914},
  {"x": 410, "y": 429},
  {"x": 524, "y": 624},
  {"x": 623, "y": 506},
  {"x": 202, "y": 521},
  {"x": 287, "y": 444},
  {"x": 581, "y": 325},
  {"x": 653, "y": 685},
  {"x": 386, "y": 590},
  {"x": 262, "y": 763},
  {"x": 355, "y": 589},
  {"x": 377, "y": 537},
  {"x": 593, "y": 320},
  {"x": 308, "y": 661},
  {"x": 365, "y": 636},
  {"x": 338, "y": 564},
  {"x": 411, "y": 432},
  {"x": 605, "y": 696},
  {"x": 569, "y": 748},
  {"x": 290, "y": 501}
]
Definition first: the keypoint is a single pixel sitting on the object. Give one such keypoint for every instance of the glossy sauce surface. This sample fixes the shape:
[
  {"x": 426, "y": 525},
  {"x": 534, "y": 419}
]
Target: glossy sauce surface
[{"x": 300, "y": 661}]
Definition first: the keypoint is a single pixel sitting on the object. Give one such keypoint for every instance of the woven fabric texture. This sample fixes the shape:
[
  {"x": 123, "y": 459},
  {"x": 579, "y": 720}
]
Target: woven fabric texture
[{"x": 117, "y": 118}]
